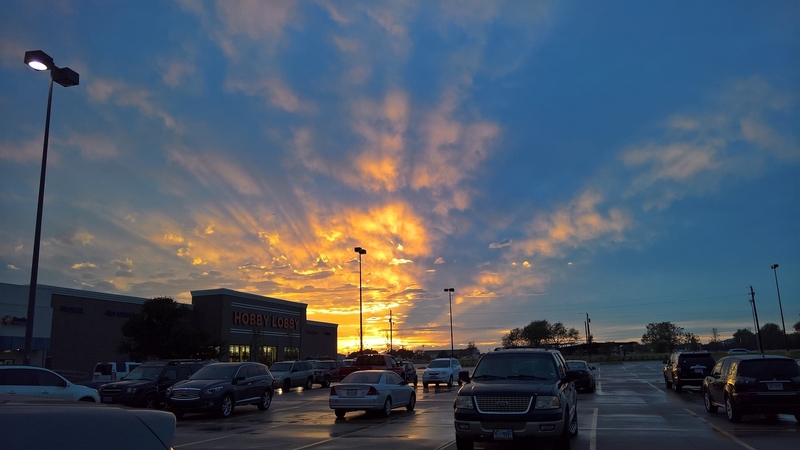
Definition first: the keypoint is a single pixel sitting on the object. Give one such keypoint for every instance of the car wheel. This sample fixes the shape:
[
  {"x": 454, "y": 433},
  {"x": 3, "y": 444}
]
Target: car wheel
[
  {"x": 573, "y": 424},
  {"x": 412, "y": 402},
  {"x": 287, "y": 384},
  {"x": 309, "y": 383},
  {"x": 326, "y": 382},
  {"x": 464, "y": 443},
  {"x": 177, "y": 414},
  {"x": 563, "y": 442},
  {"x": 339, "y": 413},
  {"x": 667, "y": 383},
  {"x": 677, "y": 386},
  {"x": 387, "y": 407},
  {"x": 151, "y": 402},
  {"x": 797, "y": 417},
  {"x": 87, "y": 399},
  {"x": 226, "y": 406},
  {"x": 734, "y": 415},
  {"x": 416, "y": 379},
  {"x": 266, "y": 400},
  {"x": 424, "y": 384},
  {"x": 710, "y": 406},
  {"x": 450, "y": 381}
]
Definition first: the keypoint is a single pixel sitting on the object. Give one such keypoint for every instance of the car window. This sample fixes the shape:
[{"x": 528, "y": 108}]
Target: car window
[
  {"x": 215, "y": 372},
  {"x": 438, "y": 364},
  {"x": 393, "y": 378},
  {"x": 143, "y": 373},
  {"x": 17, "y": 377},
  {"x": 44, "y": 378},
  {"x": 262, "y": 370},
  {"x": 768, "y": 369},
  {"x": 183, "y": 373},
  {"x": 252, "y": 371},
  {"x": 281, "y": 367},
  {"x": 717, "y": 368},
  {"x": 363, "y": 377}
]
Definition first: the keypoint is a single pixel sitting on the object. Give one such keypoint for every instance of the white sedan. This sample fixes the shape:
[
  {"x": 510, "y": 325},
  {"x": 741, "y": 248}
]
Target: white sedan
[{"x": 372, "y": 390}]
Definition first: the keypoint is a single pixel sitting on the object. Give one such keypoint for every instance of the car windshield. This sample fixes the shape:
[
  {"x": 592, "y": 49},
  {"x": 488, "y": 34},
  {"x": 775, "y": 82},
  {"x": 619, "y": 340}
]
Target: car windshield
[
  {"x": 520, "y": 367},
  {"x": 703, "y": 360},
  {"x": 363, "y": 377},
  {"x": 769, "y": 369},
  {"x": 281, "y": 367},
  {"x": 439, "y": 363},
  {"x": 372, "y": 360},
  {"x": 324, "y": 365},
  {"x": 215, "y": 372},
  {"x": 143, "y": 373},
  {"x": 577, "y": 365}
]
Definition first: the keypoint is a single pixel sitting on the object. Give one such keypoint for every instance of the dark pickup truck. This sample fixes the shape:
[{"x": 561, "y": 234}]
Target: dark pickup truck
[{"x": 374, "y": 362}]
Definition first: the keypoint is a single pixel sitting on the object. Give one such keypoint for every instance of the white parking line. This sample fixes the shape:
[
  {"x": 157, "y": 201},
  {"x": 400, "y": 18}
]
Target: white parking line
[{"x": 593, "y": 432}]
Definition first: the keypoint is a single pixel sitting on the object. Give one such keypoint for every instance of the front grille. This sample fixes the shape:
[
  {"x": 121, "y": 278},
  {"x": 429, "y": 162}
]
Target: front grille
[
  {"x": 517, "y": 426},
  {"x": 185, "y": 394},
  {"x": 111, "y": 391},
  {"x": 503, "y": 404}
]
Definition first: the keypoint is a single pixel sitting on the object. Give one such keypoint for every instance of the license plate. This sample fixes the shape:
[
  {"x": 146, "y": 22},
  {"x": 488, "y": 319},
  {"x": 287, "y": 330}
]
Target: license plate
[
  {"x": 351, "y": 392},
  {"x": 698, "y": 370},
  {"x": 108, "y": 400},
  {"x": 503, "y": 435},
  {"x": 775, "y": 386}
]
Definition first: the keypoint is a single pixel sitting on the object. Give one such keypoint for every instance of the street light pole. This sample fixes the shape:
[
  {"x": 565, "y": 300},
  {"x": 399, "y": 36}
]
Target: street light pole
[
  {"x": 774, "y": 268},
  {"x": 450, "y": 295},
  {"x": 360, "y": 251},
  {"x": 39, "y": 60}
]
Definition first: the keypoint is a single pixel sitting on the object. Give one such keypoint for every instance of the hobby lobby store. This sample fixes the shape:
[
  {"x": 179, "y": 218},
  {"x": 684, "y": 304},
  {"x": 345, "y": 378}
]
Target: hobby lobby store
[{"x": 74, "y": 329}]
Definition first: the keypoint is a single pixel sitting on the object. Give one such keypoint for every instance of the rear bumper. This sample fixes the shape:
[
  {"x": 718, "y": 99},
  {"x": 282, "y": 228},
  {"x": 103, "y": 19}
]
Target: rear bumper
[{"x": 764, "y": 403}]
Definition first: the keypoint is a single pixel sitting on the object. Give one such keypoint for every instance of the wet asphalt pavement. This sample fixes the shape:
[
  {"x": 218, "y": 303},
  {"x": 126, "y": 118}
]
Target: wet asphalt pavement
[{"x": 630, "y": 410}]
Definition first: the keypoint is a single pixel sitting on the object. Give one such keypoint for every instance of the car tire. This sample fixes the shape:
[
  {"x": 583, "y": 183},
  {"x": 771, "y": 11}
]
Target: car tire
[
  {"x": 287, "y": 384},
  {"x": 677, "y": 386},
  {"x": 416, "y": 380},
  {"x": 226, "y": 406},
  {"x": 326, "y": 383},
  {"x": 450, "y": 381},
  {"x": 386, "y": 411},
  {"x": 563, "y": 442},
  {"x": 309, "y": 383},
  {"x": 710, "y": 406},
  {"x": 464, "y": 443},
  {"x": 150, "y": 401},
  {"x": 266, "y": 400},
  {"x": 573, "y": 424},
  {"x": 425, "y": 385},
  {"x": 339, "y": 413},
  {"x": 87, "y": 399},
  {"x": 797, "y": 417},
  {"x": 667, "y": 383},
  {"x": 177, "y": 414},
  {"x": 734, "y": 415},
  {"x": 412, "y": 402}
]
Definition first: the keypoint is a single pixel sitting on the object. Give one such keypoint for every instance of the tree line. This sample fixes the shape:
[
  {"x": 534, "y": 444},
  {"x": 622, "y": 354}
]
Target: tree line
[
  {"x": 541, "y": 333},
  {"x": 666, "y": 337}
]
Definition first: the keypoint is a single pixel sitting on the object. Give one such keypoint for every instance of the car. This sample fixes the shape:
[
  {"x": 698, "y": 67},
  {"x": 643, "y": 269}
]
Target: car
[
  {"x": 373, "y": 391},
  {"x": 327, "y": 372},
  {"x": 738, "y": 351},
  {"x": 517, "y": 394},
  {"x": 410, "y": 373},
  {"x": 221, "y": 387},
  {"x": 146, "y": 385},
  {"x": 587, "y": 382},
  {"x": 45, "y": 424},
  {"x": 442, "y": 370},
  {"x": 107, "y": 371},
  {"x": 753, "y": 384},
  {"x": 33, "y": 381},
  {"x": 684, "y": 368},
  {"x": 289, "y": 374}
]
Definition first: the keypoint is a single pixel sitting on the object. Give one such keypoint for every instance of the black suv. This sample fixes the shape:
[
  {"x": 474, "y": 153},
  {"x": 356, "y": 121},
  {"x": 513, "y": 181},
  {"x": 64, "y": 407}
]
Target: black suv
[
  {"x": 687, "y": 369},
  {"x": 753, "y": 384},
  {"x": 517, "y": 394},
  {"x": 145, "y": 385},
  {"x": 220, "y": 387}
]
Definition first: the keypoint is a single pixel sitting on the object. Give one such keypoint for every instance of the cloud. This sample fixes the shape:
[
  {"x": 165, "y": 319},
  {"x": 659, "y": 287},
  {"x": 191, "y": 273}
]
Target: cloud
[
  {"x": 275, "y": 91},
  {"x": 27, "y": 152},
  {"x": 215, "y": 170},
  {"x": 501, "y": 244},
  {"x": 103, "y": 90},
  {"x": 95, "y": 147}
]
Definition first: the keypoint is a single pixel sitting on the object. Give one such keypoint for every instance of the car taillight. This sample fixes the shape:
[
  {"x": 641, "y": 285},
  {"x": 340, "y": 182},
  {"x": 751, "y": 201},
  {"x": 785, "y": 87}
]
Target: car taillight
[
  {"x": 584, "y": 374},
  {"x": 372, "y": 391},
  {"x": 333, "y": 391}
]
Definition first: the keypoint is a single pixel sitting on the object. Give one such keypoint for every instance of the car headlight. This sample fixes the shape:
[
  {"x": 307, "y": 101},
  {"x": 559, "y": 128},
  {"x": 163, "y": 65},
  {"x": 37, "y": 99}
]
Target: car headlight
[
  {"x": 465, "y": 402},
  {"x": 131, "y": 390},
  {"x": 279, "y": 378},
  {"x": 169, "y": 391},
  {"x": 547, "y": 402},
  {"x": 213, "y": 390}
]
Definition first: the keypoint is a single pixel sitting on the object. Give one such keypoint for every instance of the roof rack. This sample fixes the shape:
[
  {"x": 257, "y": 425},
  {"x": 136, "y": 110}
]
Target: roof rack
[{"x": 521, "y": 347}]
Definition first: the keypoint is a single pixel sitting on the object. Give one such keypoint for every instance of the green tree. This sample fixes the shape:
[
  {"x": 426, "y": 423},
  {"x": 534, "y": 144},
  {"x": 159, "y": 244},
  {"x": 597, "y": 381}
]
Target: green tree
[
  {"x": 663, "y": 336},
  {"x": 537, "y": 333},
  {"x": 561, "y": 335},
  {"x": 771, "y": 336},
  {"x": 745, "y": 338},
  {"x": 514, "y": 338},
  {"x": 165, "y": 329}
]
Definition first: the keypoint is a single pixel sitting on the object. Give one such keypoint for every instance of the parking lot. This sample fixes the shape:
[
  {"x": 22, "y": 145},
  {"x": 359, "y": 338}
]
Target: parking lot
[{"x": 630, "y": 410}]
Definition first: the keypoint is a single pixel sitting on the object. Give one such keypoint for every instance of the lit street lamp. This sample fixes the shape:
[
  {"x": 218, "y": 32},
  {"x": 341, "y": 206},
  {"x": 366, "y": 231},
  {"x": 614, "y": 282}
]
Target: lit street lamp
[
  {"x": 360, "y": 251},
  {"x": 39, "y": 60},
  {"x": 774, "y": 268},
  {"x": 450, "y": 294}
]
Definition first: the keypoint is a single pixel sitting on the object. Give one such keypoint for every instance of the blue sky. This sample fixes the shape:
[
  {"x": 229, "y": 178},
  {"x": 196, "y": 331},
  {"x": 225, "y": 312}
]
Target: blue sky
[{"x": 636, "y": 161}]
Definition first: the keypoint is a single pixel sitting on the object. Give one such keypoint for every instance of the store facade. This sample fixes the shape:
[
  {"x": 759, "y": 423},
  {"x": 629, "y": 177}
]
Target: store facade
[{"x": 74, "y": 329}]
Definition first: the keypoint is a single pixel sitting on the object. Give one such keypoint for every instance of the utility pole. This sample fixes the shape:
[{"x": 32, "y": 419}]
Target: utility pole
[
  {"x": 588, "y": 329},
  {"x": 390, "y": 331},
  {"x": 755, "y": 315}
]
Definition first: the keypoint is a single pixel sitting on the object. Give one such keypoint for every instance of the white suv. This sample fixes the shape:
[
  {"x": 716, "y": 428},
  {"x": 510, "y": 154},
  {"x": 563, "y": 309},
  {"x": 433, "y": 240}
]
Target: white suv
[
  {"x": 44, "y": 383},
  {"x": 441, "y": 370}
]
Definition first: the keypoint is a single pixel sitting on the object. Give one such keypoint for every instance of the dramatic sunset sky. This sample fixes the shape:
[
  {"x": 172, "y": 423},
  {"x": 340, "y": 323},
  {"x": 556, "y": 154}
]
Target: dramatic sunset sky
[{"x": 636, "y": 161}]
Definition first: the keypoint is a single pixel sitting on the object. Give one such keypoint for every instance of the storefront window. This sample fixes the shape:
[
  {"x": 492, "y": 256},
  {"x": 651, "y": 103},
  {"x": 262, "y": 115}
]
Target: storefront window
[
  {"x": 239, "y": 353},
  {"x": 267, "y": 355},
  {"x": 291, "y": 353}
]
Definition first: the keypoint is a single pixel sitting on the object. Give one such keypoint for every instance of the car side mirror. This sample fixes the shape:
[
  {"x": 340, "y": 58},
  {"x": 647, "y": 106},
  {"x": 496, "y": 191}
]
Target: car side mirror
[
  {"x": 665, "y": 362},
  {"x": 464, "y": 376},
  {"x": 593, "y": 368}
]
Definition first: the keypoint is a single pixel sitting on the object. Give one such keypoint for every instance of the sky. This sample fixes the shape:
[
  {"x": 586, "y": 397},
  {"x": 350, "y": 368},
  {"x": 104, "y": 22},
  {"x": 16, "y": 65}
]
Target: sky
[{"x": 636, "y": 162}]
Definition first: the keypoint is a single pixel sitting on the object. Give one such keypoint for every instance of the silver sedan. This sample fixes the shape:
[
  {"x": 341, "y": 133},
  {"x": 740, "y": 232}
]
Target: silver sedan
[{"x": 372, "y": 390}]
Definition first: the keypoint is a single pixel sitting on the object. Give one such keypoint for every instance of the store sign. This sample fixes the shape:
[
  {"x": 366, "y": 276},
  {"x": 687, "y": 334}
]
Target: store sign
[
  {"x": 71, "y": 309},
  {"x": 11, "y": 320},
  {"x": 264, "y": 320}
]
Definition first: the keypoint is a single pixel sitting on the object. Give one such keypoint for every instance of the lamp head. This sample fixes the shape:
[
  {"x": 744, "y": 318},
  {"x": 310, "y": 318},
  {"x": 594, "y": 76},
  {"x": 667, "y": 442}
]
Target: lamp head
[
  {"x": 65, "y": 76},
  {"x": 773, "y": 267},
  {"x": 38, "y": 60},
  {"x": 360, "y": 251}
]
